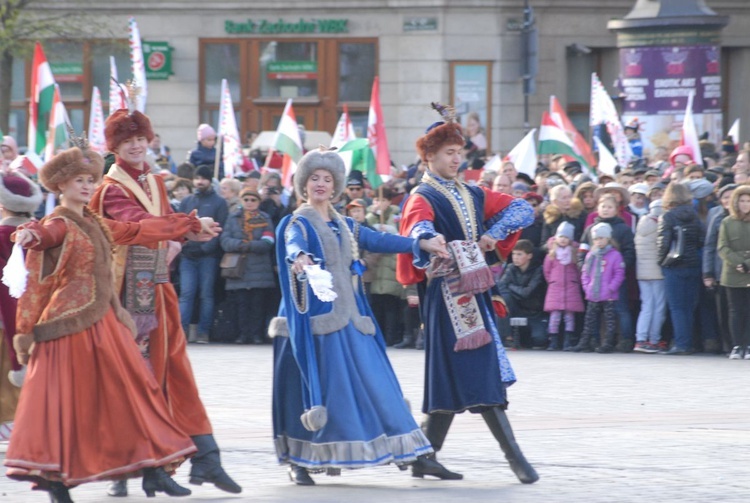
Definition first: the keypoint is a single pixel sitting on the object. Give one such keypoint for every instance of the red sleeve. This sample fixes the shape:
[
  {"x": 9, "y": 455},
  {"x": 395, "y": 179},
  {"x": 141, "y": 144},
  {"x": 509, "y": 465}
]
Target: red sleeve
[
  {"x": 415, "y": 210},
  {"x": 117, "y": 205},
  {"x": 50, "y": 234},
  {"x": 152, "y": 230}
]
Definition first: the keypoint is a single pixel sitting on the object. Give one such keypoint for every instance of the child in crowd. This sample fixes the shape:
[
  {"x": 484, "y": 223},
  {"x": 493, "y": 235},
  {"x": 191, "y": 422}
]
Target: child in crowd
[
  {"x": 650, "y": 282},
  {"x": 522, "y": 289},
  {"x": 564, "y": 286},
  {"x": 602, "y": 274}
]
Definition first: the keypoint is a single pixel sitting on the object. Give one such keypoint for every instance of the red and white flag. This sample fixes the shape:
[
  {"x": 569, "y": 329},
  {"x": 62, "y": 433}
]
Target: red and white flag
[
  {"x": 138, "y": 66},
  {"x": 344, "y": 130},
  {"x": 523, "y": 155},
  {"x": 376, "y": 132},
  {"x": 231, "y": 150},
  {"x": 42, "y": 101},
  {"x": 288, "y": 143},
  {"x": 117, "y": 92},
  {"x": 97, "y": 143},
  {"x": 580, "y": 145},
  {"x": 603, "y": 111},
  {"x": 689, "y": 133}
]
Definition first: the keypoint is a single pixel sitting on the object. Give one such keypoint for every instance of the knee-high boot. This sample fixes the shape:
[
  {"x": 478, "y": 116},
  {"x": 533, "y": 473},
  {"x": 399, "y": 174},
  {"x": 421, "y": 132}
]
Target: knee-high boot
[
  {"x": 207, "y": 465},
  {"x": 435, "y": 428},
  {"x": 503, "y": 432}
]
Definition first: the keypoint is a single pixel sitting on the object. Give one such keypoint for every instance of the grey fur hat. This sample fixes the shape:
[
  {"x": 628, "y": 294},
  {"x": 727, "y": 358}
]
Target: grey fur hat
[
  {"x": 19, "y": 194},
  {"x": 320, "y": 159}
]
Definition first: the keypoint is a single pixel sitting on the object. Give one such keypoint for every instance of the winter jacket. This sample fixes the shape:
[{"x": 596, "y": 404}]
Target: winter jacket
[
  {"x": 208, "y": 204},
  {"x": 553, "y": 216},
  {"x": 563, "y": 286},
  {"x": 621, "y": 234},
  {"x": 712, "y": 262},
  {"x": 259, "y": 272},
  {"x": 202, "y": 156},
  {"x": 646, "y": 258},
  {"x": 684, "y": 216},
  {"x": 534, "y": 232},
  {"x": 612, "y": 276},
  {"x": 384, "y": 270},
  {"x": 734, "y": 244},
  {"x": 525, "y": 288}
]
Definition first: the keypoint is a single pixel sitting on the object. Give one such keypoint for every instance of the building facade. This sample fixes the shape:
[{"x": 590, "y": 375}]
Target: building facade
[{"x": 325, "y": 53}]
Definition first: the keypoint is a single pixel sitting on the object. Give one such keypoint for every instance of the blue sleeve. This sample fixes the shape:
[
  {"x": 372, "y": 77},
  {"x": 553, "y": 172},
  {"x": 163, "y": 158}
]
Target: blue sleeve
[
  {"x": 296, "y": 242},
  {"x": 383, "y": 242},
  {"x": 516, "y": 216}
]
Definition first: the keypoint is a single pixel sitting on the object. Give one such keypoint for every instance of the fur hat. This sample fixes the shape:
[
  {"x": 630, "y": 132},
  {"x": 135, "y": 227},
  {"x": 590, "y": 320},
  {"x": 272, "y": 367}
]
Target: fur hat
[
  {"x": 320, "y": 159},
  {"x": 122, "y": 125},
  {"x": 19, "y": 194},
  {"x": 69, "y": 163},
  {"x": 566, "y": 230},
  {"x": 601, "y": 230},
  {"x": 445, "y": 132},
  {"x": 205, "y": 131}
]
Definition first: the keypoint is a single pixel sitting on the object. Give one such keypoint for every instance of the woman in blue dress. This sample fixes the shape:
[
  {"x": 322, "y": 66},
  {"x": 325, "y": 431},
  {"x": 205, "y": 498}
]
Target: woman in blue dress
[{"x": 336, "y": 400}]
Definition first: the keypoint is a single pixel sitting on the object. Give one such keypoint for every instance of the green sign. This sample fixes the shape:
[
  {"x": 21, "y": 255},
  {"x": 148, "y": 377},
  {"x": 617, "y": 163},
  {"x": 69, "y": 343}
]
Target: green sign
[
  {"x": 266, "y": 27},
  {"x": 294, "y": 70},
  {"x": 73, "y": 68},
  {"x": 158, "y": 59},
  {"x": 420, "y": 24}
]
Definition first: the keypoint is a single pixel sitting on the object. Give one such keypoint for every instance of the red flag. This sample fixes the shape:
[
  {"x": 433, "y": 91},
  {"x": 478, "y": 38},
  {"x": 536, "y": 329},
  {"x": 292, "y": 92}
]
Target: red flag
[{"x": 376, "y": 132}]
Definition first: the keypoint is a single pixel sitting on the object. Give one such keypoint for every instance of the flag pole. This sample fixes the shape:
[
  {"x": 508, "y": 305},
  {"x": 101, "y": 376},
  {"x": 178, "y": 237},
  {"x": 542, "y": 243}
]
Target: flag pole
[{"x": 217, "y": 161}]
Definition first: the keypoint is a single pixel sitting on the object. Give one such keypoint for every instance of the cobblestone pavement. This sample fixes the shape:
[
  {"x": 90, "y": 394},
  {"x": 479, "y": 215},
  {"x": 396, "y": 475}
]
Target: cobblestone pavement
[{"x": 598, "y": 428}]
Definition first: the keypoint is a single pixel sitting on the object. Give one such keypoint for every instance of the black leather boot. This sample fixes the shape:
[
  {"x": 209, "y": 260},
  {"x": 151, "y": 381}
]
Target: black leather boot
[
  {"x": 300, "y": 476},
  {"x": 420, "y": 339},
  {"x": 554, "y": 343},
  {"x": 584, "y": 345},
  {"x": 569, "y": 342},
  {"x": 503, "y": 432},
  {"x": 58, "y": 493},
  {"x": 435, "y": 428},
  {"x": 608, "y": 346},
  {"x": 157, "y": 480},
  {"x": 407, "y": 342},
  {"x": 207, "y": 466},
  {"x": 118, "y": 488}
]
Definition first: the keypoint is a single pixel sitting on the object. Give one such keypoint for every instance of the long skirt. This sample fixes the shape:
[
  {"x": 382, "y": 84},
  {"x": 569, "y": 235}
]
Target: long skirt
[
  {"x": 90, "y": 410},
  {"x": 369, "y": 423}
]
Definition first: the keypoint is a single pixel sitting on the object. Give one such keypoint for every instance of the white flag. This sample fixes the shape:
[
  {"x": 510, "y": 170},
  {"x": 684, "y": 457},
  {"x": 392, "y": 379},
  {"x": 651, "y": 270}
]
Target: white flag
[
  {"x": 603, "y": 111},
  {"x": 231, "y": 151},
  {"x": 117, "y": 92},
  {"x": 96, "y": 123},
  {"x": 689, "y": 133},
  {"x": 734, "y": 132},
  {"x": 607, "y": 162},
  {"x": 344, "y": 130},
  {"x": 523, "y": 155},
  {"x": 138, "y": 66}
]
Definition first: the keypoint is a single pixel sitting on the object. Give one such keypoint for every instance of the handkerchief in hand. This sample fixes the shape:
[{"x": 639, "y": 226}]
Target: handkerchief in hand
[{"x": 321, "y": 282}]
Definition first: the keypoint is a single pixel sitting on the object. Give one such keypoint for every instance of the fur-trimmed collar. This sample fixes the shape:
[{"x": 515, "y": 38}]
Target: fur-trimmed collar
[{"x": 552, "y": 213}]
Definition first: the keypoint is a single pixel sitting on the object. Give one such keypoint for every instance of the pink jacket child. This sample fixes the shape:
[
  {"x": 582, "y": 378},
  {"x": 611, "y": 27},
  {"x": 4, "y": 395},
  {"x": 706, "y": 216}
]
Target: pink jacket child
[{"x": 602, "y": 274}]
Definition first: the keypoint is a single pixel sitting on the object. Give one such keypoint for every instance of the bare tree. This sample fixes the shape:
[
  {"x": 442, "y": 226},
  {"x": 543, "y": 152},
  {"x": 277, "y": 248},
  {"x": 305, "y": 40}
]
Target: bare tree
[{"x": 21, "y": 24}]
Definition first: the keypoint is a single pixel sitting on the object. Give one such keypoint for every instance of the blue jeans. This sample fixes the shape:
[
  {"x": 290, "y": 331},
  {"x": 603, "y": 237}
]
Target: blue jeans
[
  {"x": 653, "y": 310},
  {"x": 198, "y": 276},
  {"x": 682, "y": 299}
]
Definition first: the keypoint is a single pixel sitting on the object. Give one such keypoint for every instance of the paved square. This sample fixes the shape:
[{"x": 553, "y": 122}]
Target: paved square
[{"x": 598, "y": 428}]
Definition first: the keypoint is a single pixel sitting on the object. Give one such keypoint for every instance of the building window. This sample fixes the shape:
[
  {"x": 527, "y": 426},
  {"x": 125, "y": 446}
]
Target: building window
[
  {"x": 288, "y": 69},
  {"x": 356, "y": 71}
]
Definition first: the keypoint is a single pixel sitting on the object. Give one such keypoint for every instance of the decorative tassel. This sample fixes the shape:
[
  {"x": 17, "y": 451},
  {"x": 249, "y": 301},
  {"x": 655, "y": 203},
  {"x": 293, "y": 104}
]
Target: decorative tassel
[
  {"x": 476, "y": 281},
  {"x": 473, "y": 341}
]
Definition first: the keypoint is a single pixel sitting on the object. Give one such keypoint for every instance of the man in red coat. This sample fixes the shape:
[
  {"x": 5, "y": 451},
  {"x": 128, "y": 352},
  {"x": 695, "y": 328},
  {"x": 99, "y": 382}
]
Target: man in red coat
[
  {"x": 130, "y": 193},
  {"x": 466, "y": 365},
  {"x": 19, "y": 199}
]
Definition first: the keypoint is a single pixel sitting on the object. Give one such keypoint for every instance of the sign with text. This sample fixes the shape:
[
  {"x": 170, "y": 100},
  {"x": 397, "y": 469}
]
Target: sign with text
[
  {"x": 420, "y": 24},
  {"x": 292, "y": 70},
  {"x": 658, "y": 80},
  {"x": 267, "y": 27},
  {"x": 158, "y": 58},
  {"x": 67, "y": 71}
]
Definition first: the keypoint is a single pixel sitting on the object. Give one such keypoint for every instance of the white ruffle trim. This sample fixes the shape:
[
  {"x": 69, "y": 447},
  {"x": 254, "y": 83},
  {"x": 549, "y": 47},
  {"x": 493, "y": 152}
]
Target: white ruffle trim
[{"x": 400, "y": 449}]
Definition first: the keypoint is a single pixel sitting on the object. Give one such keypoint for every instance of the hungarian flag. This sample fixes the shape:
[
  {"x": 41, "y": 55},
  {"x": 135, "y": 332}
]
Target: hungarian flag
[
  {"x": 42, "y": 98},
  {"x": 689, "y": 133},
  {"x": 376, "y": 132},
  {"x": 57, "y": 137},
  {"x": 117, "y": 92},
  {"x": 523, "y": 155},
  {"x": 288, "y": 143},
  {"x": 580, "y": 145},
  {"x": 344, "y": 130},
  {"x": 553, "y": 140},
  {"x": 358, "y": 156},
  {"x": 137, "y": 65},
  {"x": 97, "y": 143},
  {"x": 231, "y": 149}
]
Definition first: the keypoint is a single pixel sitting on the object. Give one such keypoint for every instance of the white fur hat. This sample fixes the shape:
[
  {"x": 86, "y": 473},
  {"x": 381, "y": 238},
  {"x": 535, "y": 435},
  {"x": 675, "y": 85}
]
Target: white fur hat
[
  {"x": 320, "y": 159},
  {"x": 19, "y": 194}
]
